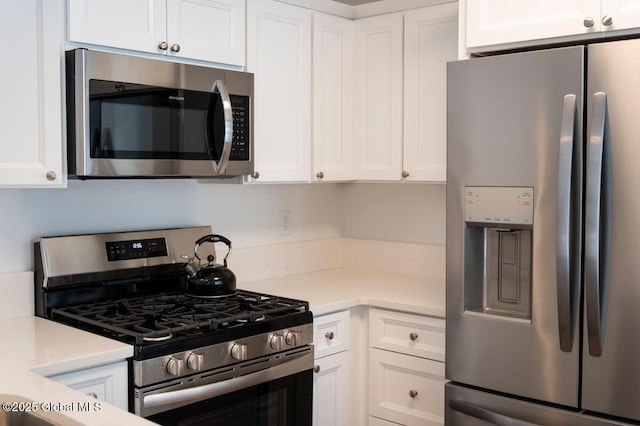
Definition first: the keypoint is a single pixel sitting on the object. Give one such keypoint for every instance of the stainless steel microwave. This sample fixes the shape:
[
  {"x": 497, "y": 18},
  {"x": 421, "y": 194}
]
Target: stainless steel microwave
[{"x": 133, "y": 117}]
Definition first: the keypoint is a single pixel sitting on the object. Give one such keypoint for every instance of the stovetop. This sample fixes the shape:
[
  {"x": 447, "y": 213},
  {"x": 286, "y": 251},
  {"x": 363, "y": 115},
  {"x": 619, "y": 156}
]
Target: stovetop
[{"x": 164, "y": 323}]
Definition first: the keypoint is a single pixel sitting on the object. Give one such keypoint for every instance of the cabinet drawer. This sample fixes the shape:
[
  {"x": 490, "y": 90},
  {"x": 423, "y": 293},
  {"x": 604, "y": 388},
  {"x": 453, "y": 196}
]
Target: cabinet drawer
[
  {"x": 107, "y": 383},
  {"x": 331, "y": 333},
  {"x": 407, "y": 333},
  {"x": 406, "y": 389}
]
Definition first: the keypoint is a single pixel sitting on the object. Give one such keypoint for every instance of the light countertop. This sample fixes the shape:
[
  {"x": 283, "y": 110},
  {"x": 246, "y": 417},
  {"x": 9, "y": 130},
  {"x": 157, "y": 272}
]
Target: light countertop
[
  {"x": 34, "y": 347},
  {"x": 338, "y": 289}
]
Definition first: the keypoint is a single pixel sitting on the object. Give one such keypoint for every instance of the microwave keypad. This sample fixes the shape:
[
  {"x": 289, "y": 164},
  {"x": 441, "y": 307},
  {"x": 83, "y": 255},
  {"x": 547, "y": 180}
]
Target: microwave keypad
[{"x": 240, "y": 147}]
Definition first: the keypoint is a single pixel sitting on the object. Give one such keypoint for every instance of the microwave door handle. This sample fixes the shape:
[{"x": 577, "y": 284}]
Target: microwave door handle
[
  {"x": 563, "y": 220},
  {"x": 219, "y": 87},
  {"x": 593, "y": 223}
]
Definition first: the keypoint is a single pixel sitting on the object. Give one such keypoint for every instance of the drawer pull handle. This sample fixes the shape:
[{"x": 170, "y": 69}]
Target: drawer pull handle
[
  {"x": 329, "y": 335},
  {"x": 92, "y": 394},
  {"x": 316, "y": 368},
  {"x": 413, "y": 336},
  {"x": 413, "y": 393}
]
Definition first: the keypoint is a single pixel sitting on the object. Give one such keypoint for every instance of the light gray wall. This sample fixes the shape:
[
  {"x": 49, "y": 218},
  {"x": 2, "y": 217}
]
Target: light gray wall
[
  {"x": 246, "y": 214},
  {"x": 405, "y": 212}
]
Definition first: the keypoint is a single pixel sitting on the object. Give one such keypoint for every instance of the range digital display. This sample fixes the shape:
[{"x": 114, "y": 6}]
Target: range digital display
[{"x": 136, "y": 249}]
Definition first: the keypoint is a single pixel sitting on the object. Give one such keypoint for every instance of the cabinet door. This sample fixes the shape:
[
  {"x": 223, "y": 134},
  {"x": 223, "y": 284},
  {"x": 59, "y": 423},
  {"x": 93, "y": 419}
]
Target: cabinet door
[
  {"x": 624, "y": 14},
  {"x": 208, "y": 30},
  {"x": 378, "y": 94},
  {"x": 279, "y": 54},
  {"x": 332, "y": 98},
  {"x": 405, "y": 389},
  {"x": 330, "y": 385},
  {"x": 430, "y": 41},
  {"x": 127, "y": 24},
  {"x": 505, "y": 21},
  {"x": 31, "y": 134},
  {"x": 107, "y": 383}
]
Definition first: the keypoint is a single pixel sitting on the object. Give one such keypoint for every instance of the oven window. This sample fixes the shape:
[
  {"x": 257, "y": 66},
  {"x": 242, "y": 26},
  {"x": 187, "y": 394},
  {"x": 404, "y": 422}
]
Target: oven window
[
  {"x": 133, "y": 121},
  {"x": 282, "y": 402}
]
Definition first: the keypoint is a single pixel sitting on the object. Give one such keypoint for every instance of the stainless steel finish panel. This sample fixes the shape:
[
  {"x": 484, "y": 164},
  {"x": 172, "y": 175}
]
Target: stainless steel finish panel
[
  {"x": 154, "y": 370},
  {"x": 80, "y": 254},
  {"x": 611, "y": 380},
  {"x": 504, "y": 129},
  {"x": 210, "y": 384},
  {"x": 91, "y": 64},
  {"x": 470, "y": 407}
]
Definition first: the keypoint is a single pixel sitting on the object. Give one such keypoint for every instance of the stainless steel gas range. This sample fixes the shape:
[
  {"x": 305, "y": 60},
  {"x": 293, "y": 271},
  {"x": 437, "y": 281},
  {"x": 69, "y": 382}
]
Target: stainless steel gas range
[{"x": 246, "y": 358}]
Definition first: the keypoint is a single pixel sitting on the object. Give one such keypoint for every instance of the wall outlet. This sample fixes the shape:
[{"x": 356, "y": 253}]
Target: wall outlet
[{"x": 285, "y": 222}]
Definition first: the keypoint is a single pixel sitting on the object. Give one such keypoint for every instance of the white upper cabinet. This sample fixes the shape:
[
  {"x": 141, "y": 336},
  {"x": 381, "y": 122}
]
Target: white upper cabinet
[
  {"x": 430, "y": 41},
  {"x": 378, "y": 94},
  {"x": 501, "y": 24},
  {"x": 31, "y": 134},
  {"x": 492, "y": 22},
  {"x": 333, "y": 68},
  {"x": 279, "y": 54},
  {"x": 207, "y": 30},
  {"x": 620, "y": 15}
]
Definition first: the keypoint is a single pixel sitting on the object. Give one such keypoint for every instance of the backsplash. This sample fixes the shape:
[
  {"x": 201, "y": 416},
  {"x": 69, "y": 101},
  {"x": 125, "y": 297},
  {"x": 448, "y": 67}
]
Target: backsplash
[{"x": 277, "y": 260}]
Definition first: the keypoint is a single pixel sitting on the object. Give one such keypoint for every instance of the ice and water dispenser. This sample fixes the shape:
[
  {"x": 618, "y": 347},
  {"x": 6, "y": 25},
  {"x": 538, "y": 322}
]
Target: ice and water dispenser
[{"x": 497, "y": 246}]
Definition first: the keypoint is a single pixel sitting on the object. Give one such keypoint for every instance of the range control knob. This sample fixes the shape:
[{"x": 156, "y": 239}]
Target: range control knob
[
  {"x": 292, "y": 338},
  {"x": 175, "y": 366},
  {"x": 239, "y": 351},
  {"x": 276, "y": 342},
  {"x": 195, "y": 361}
]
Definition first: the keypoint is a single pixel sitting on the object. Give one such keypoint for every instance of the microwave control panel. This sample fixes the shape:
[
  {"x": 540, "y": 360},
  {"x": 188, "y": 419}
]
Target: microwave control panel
[{"x": 241, "y": 121}]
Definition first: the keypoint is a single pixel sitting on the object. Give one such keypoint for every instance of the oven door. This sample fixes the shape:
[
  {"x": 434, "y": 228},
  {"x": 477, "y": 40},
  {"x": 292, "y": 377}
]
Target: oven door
[{"x": 271, "y": 391}]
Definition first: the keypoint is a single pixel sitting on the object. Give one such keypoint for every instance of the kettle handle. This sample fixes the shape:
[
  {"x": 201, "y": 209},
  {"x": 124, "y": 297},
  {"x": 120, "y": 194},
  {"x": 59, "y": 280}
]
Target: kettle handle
[{"x": 213, "y": 238}]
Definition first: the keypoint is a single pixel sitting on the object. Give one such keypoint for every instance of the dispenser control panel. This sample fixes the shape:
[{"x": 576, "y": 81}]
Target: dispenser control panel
[{"x": 500, "y": 205}]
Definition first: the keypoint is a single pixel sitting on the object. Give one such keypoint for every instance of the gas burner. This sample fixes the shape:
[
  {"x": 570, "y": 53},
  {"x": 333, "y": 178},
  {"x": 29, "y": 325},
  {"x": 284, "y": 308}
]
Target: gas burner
[{"x": 158, "y": 339}]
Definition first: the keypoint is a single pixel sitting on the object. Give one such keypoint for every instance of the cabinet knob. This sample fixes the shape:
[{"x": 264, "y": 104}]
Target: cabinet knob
[
  {"x": 413, "y": 393},
  {"x": 92, "y": 395},
  {"x": 607, "y": 20},
  {"x": 320, "y": 175},
  {"x": 316, "y": 368},
  {"x": 255, "y": 175},
  {"x": 588, "y": 22},
  {"x": 405, "y": 174},
  {"x": 329, "y": 335},
  {"x": 163, "y": 46},
  {"x": 175, "y": 48},
  {"x": 51, "y": 176},
  {"x": 413, "y": 336}
]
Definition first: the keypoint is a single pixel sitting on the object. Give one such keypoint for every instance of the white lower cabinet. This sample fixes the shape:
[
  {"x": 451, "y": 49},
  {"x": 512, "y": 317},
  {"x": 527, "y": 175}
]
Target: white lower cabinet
[
  {"x": 106, "y": 383},
  {"x": 406, "y": 368},
  {"x": 330, "y": 381},
  {"x": 406, "y": 389},
  {"x": 331, "y": 372}
]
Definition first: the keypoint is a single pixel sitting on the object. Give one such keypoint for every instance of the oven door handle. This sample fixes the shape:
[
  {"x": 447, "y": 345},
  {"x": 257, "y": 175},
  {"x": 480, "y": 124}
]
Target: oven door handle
[{"x": 292, "y": 364}]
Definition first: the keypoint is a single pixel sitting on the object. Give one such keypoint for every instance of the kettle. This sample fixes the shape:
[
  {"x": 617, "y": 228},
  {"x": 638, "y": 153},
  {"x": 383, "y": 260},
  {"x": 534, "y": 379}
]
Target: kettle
[{"x": 210, "y": 279}]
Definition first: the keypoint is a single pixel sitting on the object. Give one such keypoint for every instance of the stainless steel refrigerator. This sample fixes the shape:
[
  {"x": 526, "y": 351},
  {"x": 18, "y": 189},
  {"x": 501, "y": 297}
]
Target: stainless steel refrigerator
[{"x": 543, "y": 237}]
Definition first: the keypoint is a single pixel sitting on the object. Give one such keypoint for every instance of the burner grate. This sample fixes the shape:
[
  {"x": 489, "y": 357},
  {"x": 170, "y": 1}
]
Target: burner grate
[{"x": 147, "y": 319}]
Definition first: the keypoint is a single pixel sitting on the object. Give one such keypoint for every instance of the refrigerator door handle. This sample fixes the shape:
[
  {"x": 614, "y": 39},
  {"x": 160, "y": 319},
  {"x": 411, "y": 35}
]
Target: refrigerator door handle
[
  {"x": 592, "y": 266},
  {"x": 563, "y": 220},
  {"x": 489, "y": 416}
]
